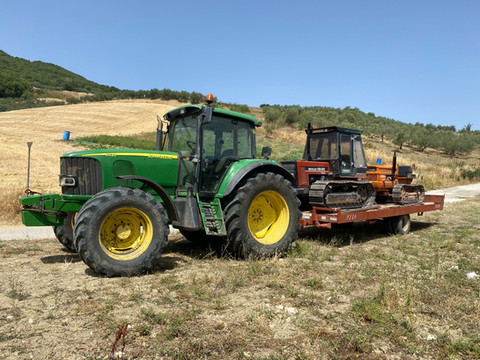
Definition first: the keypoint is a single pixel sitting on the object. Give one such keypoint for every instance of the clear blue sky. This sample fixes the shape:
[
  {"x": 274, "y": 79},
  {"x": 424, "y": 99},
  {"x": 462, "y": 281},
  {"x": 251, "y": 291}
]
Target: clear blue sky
[{"x": 413, "y": 61}]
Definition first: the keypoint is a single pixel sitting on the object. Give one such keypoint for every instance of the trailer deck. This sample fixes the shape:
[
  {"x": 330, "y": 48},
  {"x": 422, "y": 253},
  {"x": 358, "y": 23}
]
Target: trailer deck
[{"x": 323, "y": 217}]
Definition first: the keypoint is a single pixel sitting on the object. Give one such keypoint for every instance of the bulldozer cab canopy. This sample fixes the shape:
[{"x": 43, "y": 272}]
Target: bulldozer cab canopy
[
  {"x": 342, "y": 147},
  {"x": 335, "y": 129}
]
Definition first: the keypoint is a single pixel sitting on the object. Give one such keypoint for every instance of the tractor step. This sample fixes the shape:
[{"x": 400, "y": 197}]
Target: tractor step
[{"x": 212, "y": 216}]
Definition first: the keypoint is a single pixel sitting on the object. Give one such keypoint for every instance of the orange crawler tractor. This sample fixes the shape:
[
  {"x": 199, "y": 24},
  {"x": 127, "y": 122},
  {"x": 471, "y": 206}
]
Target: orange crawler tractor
[{"x": 393, "y": 183}]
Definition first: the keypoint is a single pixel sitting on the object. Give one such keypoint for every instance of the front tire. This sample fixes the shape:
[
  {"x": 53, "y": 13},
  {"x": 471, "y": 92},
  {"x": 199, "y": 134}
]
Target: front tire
[
  {"x": 121, "y": 232},
  {"x": 263, "y": 217},
  {"x": 64, "y": 233}
]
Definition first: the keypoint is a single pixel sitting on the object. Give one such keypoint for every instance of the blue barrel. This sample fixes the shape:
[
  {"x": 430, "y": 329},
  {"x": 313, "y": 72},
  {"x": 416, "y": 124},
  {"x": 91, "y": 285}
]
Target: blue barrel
[
  {"x": 379, "y": 161},
  {"x": 66, "y": 135}
]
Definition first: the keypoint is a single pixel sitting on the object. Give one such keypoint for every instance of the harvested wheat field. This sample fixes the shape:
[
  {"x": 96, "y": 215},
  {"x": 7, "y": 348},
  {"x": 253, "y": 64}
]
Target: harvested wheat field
[
  {"x": 45, "y": 127},
  {"x": 348, "y": 293}
]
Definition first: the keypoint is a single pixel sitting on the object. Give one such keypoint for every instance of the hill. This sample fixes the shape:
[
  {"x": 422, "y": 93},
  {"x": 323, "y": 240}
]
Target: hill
[
  {"x": 46, "y": 76},
  {"x": 27, "y": 84}
]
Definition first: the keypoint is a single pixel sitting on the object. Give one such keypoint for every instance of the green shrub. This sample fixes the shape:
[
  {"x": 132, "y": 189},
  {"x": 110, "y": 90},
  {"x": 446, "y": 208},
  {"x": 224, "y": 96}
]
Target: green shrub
[
  {"x": 471, "y": 174},
  {"x": 73, "y": 100},
  {"x": 239, "y": 108}
]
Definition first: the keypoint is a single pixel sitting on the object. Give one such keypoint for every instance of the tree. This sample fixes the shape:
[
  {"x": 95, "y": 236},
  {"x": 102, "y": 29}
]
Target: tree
[
  {"x": 13, "y": 88},
  {"x": 196, "y": 97},
  {"x": 400, "y": 139}
]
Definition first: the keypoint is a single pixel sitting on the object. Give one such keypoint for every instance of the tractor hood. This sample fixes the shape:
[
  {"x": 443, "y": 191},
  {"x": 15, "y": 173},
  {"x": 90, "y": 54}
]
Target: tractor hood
[
  {"x": 90, "y": 171},
  {"x": 100, "y": 153}
]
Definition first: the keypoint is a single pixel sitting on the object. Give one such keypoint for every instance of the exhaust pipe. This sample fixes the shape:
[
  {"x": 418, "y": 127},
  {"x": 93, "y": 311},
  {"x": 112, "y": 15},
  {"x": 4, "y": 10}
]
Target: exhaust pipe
[
  {"x": 158, "y": 145},
  {"x": 394, "y": 166},
  {"x": 28, "y": 192}
]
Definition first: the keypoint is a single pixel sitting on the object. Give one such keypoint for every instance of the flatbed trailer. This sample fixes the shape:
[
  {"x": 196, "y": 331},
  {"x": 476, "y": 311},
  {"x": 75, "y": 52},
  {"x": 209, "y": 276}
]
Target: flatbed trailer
[{"x": 397, "y": 217}]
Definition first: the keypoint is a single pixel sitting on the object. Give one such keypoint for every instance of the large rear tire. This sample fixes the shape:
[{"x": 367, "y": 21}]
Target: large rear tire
[
  {"x": 262, "y": 219},
  {"x": 121, "y": 232},
  {"x": 64, "y": 233}
]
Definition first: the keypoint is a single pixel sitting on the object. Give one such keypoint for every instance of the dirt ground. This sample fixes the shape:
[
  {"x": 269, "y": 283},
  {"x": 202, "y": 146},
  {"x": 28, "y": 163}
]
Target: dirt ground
[
  {"x": 50, "y": 302},
  {"x": 366, "y": 295}
]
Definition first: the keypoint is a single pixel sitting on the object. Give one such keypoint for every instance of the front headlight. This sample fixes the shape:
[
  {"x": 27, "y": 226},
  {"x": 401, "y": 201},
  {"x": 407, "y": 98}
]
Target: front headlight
[{"x": 67, "y": 180}]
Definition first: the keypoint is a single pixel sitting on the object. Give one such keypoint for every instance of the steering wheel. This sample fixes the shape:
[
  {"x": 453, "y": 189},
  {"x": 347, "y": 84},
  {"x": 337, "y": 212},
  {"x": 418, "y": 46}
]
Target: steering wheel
[{"x": 191, "y": 144}]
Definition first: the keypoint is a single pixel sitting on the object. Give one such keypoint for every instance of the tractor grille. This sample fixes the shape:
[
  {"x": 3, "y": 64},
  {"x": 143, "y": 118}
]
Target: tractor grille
[{"x": 88, "y": 173}]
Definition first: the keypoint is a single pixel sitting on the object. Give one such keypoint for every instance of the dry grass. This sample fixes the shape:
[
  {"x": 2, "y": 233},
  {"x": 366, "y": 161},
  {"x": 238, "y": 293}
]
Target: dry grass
[
  {"x": 45, "y": 127},
  {"x": 434, "y": 169},
  {"x": 338, "y": 295}
]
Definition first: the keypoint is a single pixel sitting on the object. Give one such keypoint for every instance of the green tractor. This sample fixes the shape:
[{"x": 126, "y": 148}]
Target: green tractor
[{"x": 204, "y": 179}]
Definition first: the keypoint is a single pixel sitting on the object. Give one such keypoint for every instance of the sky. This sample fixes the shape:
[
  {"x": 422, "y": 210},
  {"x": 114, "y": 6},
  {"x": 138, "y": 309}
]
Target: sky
[{"x": 412, "y": 61}]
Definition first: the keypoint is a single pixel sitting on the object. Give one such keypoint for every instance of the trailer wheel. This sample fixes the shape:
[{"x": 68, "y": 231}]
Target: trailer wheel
[
  {"x": 64, "y": 233},
  {"x": 263, "y": 217},
  {"x": 121, "y": 232},
  {"x": 399, "y": 224}
]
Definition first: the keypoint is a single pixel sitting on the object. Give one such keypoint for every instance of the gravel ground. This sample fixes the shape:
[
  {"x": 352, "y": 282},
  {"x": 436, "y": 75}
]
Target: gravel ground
[{"x": 452, "y": 195}]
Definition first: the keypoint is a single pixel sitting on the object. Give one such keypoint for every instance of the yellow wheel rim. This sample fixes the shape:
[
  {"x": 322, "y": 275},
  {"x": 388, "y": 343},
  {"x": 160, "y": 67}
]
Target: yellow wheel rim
[
  {"x": 73, "y": 219},
  {"x": 125, "y": 233},
  {"x": 268, "y": 217}
]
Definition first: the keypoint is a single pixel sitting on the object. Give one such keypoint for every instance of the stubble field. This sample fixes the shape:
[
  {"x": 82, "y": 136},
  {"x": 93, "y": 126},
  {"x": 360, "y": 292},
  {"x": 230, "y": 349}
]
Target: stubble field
[
  {"x": 45, "y": 127},
  {"x": 344, "y": 294}
]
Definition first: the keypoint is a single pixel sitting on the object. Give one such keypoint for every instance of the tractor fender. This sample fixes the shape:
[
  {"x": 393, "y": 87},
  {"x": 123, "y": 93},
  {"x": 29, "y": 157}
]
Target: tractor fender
[
  {"x": 167, "y": 201},
  {"x": 254, "y": 168}
]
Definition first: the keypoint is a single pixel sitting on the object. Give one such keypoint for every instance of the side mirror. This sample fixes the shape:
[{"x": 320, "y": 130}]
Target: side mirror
[
  {"x": 266, "y": 152},
  {"x": 206, "y": 116}
]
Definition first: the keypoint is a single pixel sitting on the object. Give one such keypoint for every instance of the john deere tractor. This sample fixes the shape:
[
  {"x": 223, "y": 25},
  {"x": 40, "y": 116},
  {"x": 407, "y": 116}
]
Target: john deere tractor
[{"x": 204, "y": 179}]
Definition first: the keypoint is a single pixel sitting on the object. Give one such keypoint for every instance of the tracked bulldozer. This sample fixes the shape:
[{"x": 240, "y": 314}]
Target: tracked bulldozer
[
  {"x": 332, "y": 172},
  {"x": 393, "y": 183}
]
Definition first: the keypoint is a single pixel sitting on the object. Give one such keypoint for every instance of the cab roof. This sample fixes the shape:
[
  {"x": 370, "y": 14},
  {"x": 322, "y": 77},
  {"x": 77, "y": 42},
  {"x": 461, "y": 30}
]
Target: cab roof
[
  {"x": 336, "y": 129},
  {"x": 193, "y": 109}
]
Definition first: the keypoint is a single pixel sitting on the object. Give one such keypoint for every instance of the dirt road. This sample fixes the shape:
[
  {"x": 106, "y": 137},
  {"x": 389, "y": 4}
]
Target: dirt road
[{"x": 458, "y": 193}]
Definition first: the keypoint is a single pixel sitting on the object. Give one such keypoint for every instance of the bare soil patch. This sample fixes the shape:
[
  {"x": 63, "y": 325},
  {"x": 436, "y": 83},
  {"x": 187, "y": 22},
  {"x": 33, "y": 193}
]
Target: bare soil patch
[{"x": 349, "y": 293}]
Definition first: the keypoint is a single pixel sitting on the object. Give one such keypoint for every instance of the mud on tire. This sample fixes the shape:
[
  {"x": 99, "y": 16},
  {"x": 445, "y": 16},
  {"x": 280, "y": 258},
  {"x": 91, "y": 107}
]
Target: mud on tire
[
  {"x": 262, "y": 219},
  {"x": 121, "y": 232}
]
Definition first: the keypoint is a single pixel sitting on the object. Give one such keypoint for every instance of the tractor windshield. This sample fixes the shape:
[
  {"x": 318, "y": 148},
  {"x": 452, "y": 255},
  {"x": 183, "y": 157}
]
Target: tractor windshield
[
  {"x": 182, "y": 138},
  {"x": 352, "y": 157},
  {"x": 322, "y": 146},
  {"x": 183, "y": 135},
  {"x": 224, "y": 141},
  {"x": 358, "y": 154}
]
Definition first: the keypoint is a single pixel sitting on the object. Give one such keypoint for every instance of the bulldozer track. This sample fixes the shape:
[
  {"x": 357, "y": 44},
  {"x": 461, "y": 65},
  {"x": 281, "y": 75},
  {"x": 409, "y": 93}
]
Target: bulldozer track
[
  {"x": 345, "y": 194},
  {"x": 408, "y": 193}
]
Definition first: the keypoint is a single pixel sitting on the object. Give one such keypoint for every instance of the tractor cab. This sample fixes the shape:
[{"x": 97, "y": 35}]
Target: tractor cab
[
  {"x": 342, "y": 148},
  {"x": 208, "y": 140}
]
